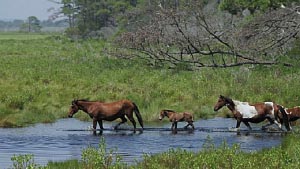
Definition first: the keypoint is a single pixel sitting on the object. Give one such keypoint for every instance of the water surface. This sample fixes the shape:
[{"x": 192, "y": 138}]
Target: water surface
[{"x": 66, "y": 138}]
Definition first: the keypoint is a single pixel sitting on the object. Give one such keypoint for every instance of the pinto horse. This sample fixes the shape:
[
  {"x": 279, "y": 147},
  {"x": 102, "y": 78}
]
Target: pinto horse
[
  {"x": 292, "y": 113},
  {"x": 99, "y": 111},
  {"x": 253, "y": 113},
  {"x": 177, "y": 117}
]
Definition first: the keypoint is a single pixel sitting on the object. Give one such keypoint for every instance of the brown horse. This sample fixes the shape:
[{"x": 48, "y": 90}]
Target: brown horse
[
  {"x": 292, "y": 113},
  {"x": 99, "y": 111},
  {"x": 253, "y": 113},
  {"x": 177, "y": 117}
]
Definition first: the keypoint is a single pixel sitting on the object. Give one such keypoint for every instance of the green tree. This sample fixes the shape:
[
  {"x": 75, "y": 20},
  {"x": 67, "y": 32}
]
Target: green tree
[
  {"x": 91, "y": 15},
  {"x": 31, "y": 25}
]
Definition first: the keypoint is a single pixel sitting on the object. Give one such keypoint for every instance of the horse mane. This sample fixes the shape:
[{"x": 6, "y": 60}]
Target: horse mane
[
  {"x": 229, "y": 101},
  {"x": 75, "y": 101},
  {"x": 85, "y": 100},
  {"x": 168, "y": 110}
]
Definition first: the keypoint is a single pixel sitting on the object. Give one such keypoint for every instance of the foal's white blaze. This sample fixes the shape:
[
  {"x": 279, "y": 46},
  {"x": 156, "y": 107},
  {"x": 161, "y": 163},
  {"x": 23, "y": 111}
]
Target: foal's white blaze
[{"x": 245, "y": 109}]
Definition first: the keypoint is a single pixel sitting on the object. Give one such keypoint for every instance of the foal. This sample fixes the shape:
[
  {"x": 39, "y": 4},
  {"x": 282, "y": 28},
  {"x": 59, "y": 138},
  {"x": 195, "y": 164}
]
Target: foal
[{"x": 177, "y": 117}]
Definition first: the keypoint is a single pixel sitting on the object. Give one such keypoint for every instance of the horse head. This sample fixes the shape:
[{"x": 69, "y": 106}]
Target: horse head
[
  {"x": 162, "y": 114},
  {"x": 222, "y": 101},
  {"x": 73, "y": 109}
]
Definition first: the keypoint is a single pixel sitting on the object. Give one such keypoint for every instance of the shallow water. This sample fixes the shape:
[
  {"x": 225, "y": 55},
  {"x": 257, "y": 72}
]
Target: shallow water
[{"x": 66, "y": 138}]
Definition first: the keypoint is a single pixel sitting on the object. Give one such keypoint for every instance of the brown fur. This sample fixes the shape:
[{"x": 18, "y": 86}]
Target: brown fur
[
  {"x": 264, "y": 112},
  {"x": 292, "y": 113},
  {"x": 99, "y": 111},
  {"x": 177, "y": 117}
]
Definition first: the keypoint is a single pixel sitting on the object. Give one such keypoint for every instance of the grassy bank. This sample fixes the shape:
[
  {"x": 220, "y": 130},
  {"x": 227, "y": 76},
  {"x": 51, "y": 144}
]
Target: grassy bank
[
  {"x": 40, "y": 77},
  {"x": 284, "y": 156}
]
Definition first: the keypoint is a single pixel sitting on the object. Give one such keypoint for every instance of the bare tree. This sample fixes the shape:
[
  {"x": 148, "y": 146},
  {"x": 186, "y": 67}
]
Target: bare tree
[
  {"x": 271, "y": 33},
  {"x": 203, "y": 37}
]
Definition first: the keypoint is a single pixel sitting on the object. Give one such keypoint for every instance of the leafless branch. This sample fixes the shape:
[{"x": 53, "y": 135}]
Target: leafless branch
[{"x": 200, "y": 40}]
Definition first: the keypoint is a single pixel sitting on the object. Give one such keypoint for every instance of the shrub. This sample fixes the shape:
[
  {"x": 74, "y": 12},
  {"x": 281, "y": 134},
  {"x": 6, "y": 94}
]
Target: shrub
[
  {"x": 23, "y": 162},
  {"x": 99, "y": 158}
]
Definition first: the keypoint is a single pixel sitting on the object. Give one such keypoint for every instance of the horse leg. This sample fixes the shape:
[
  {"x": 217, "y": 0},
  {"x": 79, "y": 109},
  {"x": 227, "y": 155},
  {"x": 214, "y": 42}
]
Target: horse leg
[
  {"x": 248, "y": 125},
  {"x": 133, "y": 122},
  {"x": 173, "y": 124},
  {"x": 123, "y": 118},
  {"x": 185, "y": 127},
  {"x": 193, "y": 127},
  {"x": 94, "y": 125},
  {"x": 238, "y": 124},
  {"x": 100, "y": 124},
  {"x": 174, "y": 127},
  {"x": 278, "y": 124},
  {"x": 271, "y": 122},
  {"x": 189, "y": 124}
]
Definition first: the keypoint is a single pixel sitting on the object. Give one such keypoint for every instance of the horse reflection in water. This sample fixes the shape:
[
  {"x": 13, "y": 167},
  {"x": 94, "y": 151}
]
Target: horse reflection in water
[
  {"x": 100, "y": 111},
  {"x": 253, "y": 113},
  {"x": 177, "y": 117}
]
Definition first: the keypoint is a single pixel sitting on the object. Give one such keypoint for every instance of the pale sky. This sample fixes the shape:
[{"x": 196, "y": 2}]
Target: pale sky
[{"x": 22, "y": 9}]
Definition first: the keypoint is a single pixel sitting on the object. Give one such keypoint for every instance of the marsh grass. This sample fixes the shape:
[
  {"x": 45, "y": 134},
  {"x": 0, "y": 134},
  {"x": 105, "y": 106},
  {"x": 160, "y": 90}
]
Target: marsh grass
[
  {"x": 284, "y": 156},
  {"x": 93, "y": 157},
  {"x": 40, "y": 77}
]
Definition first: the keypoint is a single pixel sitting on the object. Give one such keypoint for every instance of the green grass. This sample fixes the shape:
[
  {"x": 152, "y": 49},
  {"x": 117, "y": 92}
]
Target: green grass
[
  {"x": 40, "y": 77},
  {"x": 284, "y": 156},
  {"x": 22, "y": 36}
]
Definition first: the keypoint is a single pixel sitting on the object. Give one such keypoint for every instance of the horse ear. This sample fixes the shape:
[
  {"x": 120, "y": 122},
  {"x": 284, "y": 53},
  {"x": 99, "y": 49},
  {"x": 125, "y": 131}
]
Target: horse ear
[
  {"x": 165, "y": 112},
  {"x": 74, "y": 102}
]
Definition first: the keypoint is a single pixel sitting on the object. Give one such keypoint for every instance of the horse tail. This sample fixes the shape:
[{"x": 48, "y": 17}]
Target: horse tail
[
  {"x": 285, "y": 117},
  {"x": 138, "y": 114}
]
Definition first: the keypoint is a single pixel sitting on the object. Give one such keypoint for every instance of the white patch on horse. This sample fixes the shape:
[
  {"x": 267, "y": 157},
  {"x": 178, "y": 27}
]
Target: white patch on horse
[
  {"x": 245, "y": 109},
  {"x": 287, "y": 112},
  {"x": 271, "y": 104}
]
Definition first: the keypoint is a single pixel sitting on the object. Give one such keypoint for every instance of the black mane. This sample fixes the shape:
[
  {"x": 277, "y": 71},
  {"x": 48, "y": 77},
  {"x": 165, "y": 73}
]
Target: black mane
[{"x": 168, "y": 110}]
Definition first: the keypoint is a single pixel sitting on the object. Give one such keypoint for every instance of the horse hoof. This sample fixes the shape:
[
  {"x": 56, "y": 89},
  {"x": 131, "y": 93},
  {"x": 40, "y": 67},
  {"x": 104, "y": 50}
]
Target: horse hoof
[{"x": 234, "y": 129}]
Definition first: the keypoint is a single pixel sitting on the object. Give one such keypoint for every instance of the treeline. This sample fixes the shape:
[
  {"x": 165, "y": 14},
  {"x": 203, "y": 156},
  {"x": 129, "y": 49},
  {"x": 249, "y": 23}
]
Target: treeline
[
  {"x": 89, "y": 16},
  {"x": 86, "y": 16},
  {"x": 23, "y": 25}
]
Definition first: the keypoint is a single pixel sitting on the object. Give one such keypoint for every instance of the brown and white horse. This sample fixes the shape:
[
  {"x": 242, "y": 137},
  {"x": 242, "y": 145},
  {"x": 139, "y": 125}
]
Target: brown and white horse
[
  {"x": 292, "y": 113},
  {"x": 253, "y": 113}
]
